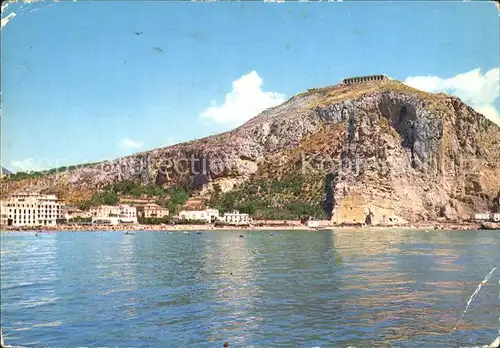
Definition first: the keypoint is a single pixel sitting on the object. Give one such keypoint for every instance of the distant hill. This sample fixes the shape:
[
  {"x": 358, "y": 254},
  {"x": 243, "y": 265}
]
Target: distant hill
[
  {"x": 4, "y": 171},
  {"x": 379, "y": 152}
]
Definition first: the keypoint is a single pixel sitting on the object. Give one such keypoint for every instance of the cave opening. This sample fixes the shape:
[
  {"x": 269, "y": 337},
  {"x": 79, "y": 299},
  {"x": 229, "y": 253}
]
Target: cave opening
[
  {"x": 406, "y": 128},
  {"x": 369, "y": 218},
  {"x": 329, "y": 201},
  {"x": 403, "y": 114},
  {"x": 403, "y": 118}
]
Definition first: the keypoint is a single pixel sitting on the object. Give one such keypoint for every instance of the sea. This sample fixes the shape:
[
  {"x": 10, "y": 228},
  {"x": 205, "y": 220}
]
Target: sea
[{"x": 327, "y": 288}]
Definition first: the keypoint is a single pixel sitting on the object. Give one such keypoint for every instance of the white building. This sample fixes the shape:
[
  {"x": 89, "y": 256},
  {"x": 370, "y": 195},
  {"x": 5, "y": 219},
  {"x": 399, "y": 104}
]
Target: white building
[
  {"x": 31, "y": 209},
  {"x": 110, "y": 214},
  {"x": 495, "y": 217},
  {"x": 235, "y": 218},
  {"x": 128, "y": 214},
  {"x": 214, "y": 215},
  {"x": 105, "y": 211},
  {"x": 73, "y": 212},
  {"x": 207, "y": 215},
  {"x": 482, "y": 216},
  {"x": 3, "y": 213},
  {"x": 195, "y": 215}
]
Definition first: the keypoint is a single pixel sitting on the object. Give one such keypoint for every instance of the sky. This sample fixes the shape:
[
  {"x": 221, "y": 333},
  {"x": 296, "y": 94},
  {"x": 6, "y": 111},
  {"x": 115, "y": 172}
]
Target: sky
[{"x": 89, "y": 81}]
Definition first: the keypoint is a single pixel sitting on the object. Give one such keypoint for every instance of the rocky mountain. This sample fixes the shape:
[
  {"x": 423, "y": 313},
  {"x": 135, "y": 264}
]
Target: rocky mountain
[{"x": 376, "y": 152}]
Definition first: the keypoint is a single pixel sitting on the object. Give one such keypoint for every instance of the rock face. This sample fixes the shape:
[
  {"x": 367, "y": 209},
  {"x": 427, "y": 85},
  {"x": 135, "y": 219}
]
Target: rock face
[
  {"x": 386, "y": 153},
  {"x": 490, "y": 226}
]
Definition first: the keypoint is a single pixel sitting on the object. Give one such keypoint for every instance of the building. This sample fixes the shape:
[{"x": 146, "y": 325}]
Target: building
[
  {"x": 128, "y": 214},
  {"x": 105, "y": 211},
  {"x": 482, "y": 216},
  {"x": 495, "y": 217},
  {"x": 31, "y": 209},
  {"x": 207, "y": 215},
  {"x": 195, "y": 215},
  {"x": 151, "y": 210},
  {"x": 3, "y": 213},
  {"x": 369, "y": 78},
  {"x": 235, "y": 218},
  {"x": 72, "y": 212},
  {"x": 214, "y": 215},
  {"x": 113, "y": 215}
]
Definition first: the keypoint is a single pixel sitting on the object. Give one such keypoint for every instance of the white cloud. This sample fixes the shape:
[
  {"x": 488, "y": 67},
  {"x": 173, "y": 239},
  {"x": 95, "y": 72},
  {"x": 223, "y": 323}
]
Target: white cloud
[
  {"x": 129, "y": 144},
  {"x": 480, "y": 91},
  {"x": 244, "y": 101},
  {"x": 25, "y": 165}
]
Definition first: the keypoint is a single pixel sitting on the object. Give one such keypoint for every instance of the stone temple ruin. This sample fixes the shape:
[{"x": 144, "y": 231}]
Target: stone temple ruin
[{"x": 364, "y": 79}]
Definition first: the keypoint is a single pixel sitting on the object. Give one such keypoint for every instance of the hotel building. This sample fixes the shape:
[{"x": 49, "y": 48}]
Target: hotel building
[{"x": 31, "y": 209}]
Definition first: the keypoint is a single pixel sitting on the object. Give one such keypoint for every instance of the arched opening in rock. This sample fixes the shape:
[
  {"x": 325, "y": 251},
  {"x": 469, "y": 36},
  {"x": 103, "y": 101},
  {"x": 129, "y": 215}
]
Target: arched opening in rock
[
  {"x": 402, "y": 113},
  {"x": 369, "y": 218}
]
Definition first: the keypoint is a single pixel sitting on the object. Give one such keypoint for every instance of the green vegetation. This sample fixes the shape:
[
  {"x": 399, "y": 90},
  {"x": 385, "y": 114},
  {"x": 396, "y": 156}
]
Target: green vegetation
[
  {"x": 21, "y": 176},
  {"x": 38, "y": 174},
  {"x": 175, "y": 198},
  {"x": 288, "y": 199}
]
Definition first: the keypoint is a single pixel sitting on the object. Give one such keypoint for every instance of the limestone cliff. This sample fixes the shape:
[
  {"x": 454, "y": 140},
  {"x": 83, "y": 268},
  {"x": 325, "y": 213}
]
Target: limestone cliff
[{"x": 392, "y": 154}]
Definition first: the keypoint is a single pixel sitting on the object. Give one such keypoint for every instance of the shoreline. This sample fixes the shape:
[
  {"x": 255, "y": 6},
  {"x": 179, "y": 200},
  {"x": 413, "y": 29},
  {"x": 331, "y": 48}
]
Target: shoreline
[{"x": 209, "y": 227}]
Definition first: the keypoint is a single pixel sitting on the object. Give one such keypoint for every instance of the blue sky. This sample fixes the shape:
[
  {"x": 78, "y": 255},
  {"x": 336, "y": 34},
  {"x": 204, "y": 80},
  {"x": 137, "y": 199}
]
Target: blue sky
[{"x": 88, "y": 81}]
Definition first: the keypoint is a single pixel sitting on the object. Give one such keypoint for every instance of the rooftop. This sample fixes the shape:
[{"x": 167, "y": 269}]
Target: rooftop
[{"x": 366, "y": 78}]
